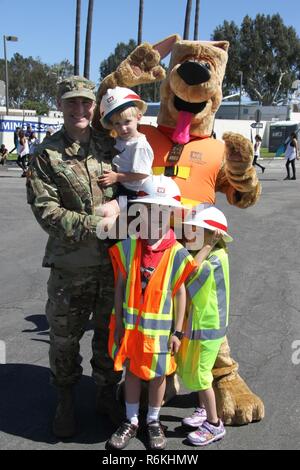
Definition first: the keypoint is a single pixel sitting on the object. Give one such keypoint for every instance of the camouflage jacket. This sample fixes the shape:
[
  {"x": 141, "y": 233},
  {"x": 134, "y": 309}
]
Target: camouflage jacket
[{"x": 63, "y": 192}]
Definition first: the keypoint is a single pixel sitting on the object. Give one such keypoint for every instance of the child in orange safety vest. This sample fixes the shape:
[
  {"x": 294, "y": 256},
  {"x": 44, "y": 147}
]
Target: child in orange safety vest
[{"x": 150, "y": 300}]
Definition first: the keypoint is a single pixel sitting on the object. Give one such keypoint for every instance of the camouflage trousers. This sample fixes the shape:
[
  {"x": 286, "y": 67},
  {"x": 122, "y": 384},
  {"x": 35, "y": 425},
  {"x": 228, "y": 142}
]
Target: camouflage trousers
[{"x": 73, "y": 297}]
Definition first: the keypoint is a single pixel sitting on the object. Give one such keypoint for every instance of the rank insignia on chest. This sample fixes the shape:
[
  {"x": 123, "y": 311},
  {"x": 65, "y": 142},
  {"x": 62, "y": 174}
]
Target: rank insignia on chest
[{"x": 175, "y": 153}]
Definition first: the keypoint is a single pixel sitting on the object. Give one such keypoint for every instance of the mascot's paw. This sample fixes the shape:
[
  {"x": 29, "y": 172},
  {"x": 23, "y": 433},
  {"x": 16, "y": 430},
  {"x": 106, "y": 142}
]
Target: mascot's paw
[
  {"x": 244, "y": 200},
  {"x": 238, "y": 152},
  {"x": 141, "y": 66},
  {"x": 144, "y": 62},
  {"x": 239, "y": 170},
  {"x": 236, "y": 403}
]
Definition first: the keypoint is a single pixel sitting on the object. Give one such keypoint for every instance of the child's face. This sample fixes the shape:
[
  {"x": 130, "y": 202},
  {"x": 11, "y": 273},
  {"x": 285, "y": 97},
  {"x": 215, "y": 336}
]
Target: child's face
[
  {"x": 155, "y": 220},
  {"x": 126, "y": 128}
]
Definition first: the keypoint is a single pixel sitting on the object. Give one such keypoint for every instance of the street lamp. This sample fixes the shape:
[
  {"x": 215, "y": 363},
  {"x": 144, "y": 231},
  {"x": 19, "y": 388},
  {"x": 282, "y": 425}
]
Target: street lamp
[{"x": 14, "y": 39}]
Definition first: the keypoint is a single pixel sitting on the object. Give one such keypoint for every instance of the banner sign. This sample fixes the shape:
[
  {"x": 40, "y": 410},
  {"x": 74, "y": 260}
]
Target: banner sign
[{"x": 10, "y": 125}]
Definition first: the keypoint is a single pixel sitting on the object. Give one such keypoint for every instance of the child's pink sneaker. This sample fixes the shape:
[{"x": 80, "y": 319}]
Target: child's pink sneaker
[
  {"x": 207, "y": 433},
  {"x": 196, "y": 419}
]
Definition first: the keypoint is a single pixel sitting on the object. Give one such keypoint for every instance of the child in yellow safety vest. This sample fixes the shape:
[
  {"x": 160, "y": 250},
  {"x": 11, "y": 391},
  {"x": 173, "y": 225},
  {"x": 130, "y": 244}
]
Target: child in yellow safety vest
[
  {"x": 206, "y": 323},
  {"x": 150, "y": 301}
]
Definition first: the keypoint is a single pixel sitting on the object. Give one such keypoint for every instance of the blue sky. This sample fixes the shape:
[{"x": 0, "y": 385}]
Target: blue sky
[{"x": 46, "y": 29}]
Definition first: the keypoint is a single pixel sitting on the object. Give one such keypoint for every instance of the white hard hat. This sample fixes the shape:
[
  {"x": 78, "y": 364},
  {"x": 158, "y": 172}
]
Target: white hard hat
[
  {"x": 115, "y": 99},
  {"x": 210, "y": 218},
  {"x": 159, "y": 189}
]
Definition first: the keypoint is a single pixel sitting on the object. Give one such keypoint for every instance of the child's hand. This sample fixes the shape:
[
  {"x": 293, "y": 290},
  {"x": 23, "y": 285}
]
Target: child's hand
[
  {"x": 174, "y": 344},
  {"x": 109, "y": 209},
  {"x": 214, "y": 237},
  {"x": 108, "y": 178}
]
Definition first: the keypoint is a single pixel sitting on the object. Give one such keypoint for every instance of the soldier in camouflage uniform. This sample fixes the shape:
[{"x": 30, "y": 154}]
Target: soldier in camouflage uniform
[{"x": 64, "y": 194}]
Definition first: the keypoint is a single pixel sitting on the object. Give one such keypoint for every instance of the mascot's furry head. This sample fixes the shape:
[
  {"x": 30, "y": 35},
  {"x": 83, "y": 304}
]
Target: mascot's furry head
[
  {"x": 190, "y": 93},
  {"x": 192, "y": 90}
]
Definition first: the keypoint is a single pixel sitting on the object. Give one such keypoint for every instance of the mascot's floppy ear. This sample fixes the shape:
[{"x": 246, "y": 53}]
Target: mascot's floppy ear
[
  {"x": 165, "y": 46},
  {"x": 221, "y": 44}
]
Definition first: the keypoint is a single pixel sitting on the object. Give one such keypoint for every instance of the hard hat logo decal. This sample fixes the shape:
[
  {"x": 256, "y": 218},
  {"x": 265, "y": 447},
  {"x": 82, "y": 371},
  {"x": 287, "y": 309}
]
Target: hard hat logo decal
[{"x": 161, "y": 190}]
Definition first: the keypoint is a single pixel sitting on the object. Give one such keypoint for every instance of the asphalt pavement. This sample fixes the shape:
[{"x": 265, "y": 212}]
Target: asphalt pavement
[{"x": 264, "y": 329}]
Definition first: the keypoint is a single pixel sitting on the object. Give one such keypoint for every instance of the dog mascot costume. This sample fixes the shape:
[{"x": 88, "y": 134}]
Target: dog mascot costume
[{"x": 190, "y": 95}]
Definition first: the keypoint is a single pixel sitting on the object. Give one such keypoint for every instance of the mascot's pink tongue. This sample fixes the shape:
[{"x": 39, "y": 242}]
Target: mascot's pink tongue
[{"x": 181, "y": 134}]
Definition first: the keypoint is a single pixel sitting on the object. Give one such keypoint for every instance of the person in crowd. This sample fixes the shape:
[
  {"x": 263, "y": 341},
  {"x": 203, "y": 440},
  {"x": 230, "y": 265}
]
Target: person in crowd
[
  {"x": 291, "y": 154},
  {"x": 65, "y": 197},
  {"x": 150, "y": 299},
  {"x": 3, "y": 154},
  {"x": 121, "y": 110},
  {"x": 206, "y": 323},
  {"x": 257, "y": 146}
]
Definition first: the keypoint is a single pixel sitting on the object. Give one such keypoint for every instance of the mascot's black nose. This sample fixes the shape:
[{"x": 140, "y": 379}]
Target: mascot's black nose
[{"x": 194, "y": 73}]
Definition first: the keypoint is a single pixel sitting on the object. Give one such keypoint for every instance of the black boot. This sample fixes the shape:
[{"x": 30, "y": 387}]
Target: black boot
[{"x": 64, "y": 425}]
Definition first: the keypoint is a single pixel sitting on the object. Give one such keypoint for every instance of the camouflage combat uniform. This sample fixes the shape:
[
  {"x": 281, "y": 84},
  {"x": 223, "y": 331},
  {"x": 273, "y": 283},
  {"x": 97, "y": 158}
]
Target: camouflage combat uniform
[{"x": 63, "y": 192}]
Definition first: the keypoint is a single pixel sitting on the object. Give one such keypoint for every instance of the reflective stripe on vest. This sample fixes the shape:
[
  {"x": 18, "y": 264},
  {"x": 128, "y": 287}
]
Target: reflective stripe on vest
[
  {"x": 176, "y": 170},
  {"x": 209, "y": 292},
  {"x": 154, "y": 316}
]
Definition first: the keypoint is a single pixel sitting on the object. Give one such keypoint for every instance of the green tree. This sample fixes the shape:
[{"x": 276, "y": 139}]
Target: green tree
[
  {"x": 229, "y": 31},
  {"x": 30, "y": 80},
  {"x": 41, "y": 108},
  {"x": 268, "y": 54}
]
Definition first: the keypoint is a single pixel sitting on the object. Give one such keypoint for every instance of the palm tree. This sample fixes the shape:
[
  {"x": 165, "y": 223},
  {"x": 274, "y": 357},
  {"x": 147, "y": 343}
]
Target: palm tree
[
  {"x": 77, "y": 37},
  {"x": 87, "y": 56},
  {"x": 140, "y": 30},
  {"x": 187, "y": 19},
  {"x": 196, "y": 25}
]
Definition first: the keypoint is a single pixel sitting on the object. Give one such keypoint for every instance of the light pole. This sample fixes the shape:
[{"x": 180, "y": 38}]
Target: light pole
[
  {"x": 240, "y": 99},
  {"x": 14, "y": 39}
]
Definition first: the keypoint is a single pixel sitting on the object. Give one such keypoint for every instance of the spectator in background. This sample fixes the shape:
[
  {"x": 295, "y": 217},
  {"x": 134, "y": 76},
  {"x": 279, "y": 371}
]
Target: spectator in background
[
  {"x": 28, "y": 132},
  {"x": 23, "y": 152},
  {"x": 257, "y": 146},
  {"x": 16, "y": 139},
  {"x": 291, "y": 153},
  {"x": 3, "y": 154},
  {"x": 33, "y": 143},
  {"x": 49, "y": 132}
]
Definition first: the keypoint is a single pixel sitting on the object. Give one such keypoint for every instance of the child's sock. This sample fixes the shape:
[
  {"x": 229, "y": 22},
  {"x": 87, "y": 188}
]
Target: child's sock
[
  {"x": 153, "y": 413},
  {"x": 132, "y": 412}
]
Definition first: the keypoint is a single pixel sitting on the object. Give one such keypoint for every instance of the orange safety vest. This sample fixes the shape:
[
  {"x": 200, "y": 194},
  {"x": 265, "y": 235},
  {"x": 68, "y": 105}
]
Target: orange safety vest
[
  {"x": 197, "y": 170},
  {"x": 148, "y": 315}
]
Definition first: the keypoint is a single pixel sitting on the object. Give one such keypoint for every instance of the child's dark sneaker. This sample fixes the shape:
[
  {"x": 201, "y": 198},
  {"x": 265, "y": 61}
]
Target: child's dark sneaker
[
  {"x": 120, "y": 439},
  {"x": 156, "y": 436}
]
